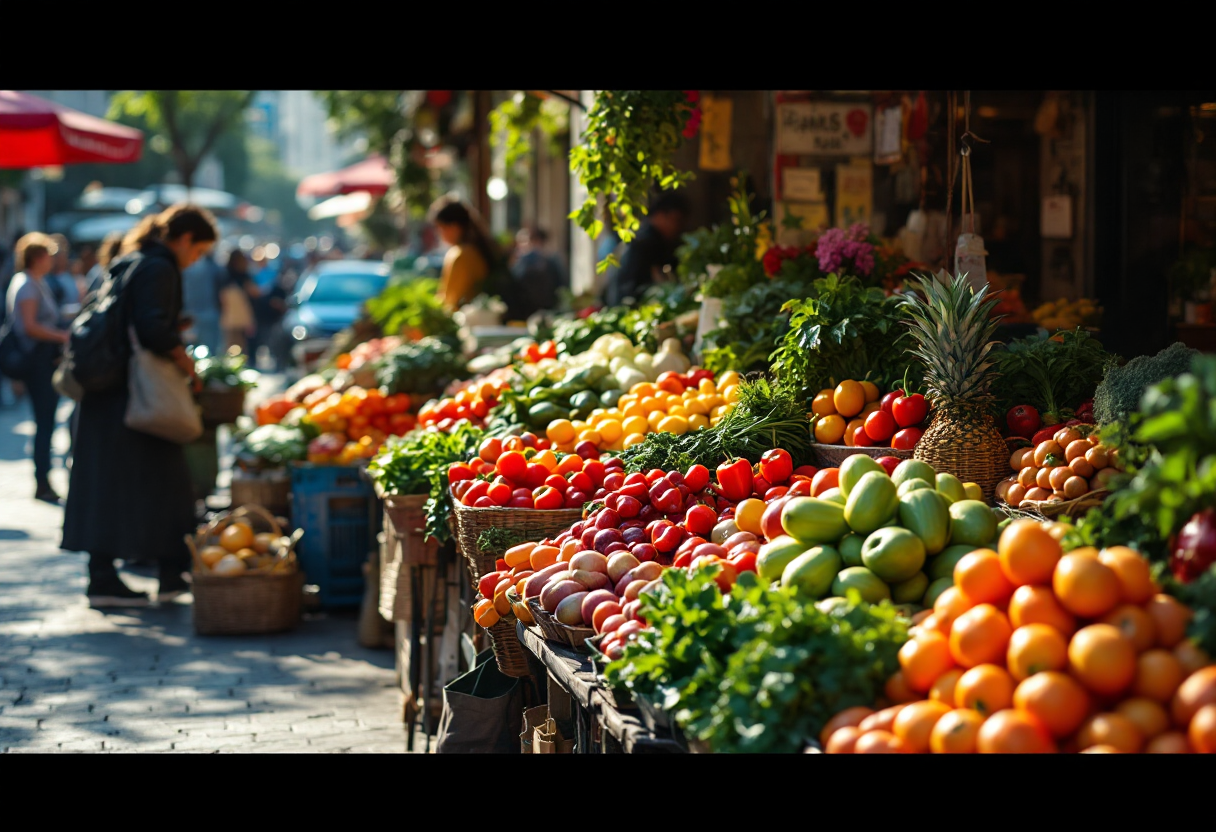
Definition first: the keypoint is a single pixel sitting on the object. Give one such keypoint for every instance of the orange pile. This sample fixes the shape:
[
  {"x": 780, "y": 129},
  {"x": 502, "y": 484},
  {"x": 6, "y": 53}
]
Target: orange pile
[{"x": 1033, "y": 650}]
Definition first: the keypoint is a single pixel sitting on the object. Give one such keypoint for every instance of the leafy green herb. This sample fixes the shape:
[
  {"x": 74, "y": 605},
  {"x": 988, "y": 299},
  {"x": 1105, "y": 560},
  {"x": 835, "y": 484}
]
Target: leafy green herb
[
  {"x": 407, "y": 464},
  {"x": 226, "y": 371},
  {"x": 426, "y": 367},
  {"x": 274, "y": 445},
  {"x": 499, "y": 540},
  {"x": 1053, "y": 374},
  {"x": 412, "y": 305}
]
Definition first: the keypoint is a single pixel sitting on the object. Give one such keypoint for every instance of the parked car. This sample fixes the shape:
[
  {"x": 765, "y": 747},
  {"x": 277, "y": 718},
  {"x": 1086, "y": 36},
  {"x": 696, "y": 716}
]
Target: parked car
[{"x": 329, "y": 298}]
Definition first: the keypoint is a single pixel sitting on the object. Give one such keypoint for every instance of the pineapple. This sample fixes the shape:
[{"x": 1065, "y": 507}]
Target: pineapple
[{"x": 953, "y": 335}]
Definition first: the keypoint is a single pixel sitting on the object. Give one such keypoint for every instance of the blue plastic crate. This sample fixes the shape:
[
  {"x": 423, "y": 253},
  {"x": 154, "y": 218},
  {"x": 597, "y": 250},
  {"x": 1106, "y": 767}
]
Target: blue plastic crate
[{"x": 337, "y": 509}]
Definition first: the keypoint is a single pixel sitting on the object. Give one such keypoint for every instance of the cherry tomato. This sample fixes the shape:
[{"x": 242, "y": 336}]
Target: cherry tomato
[
  {"x": 596, "y": 472},
  {"x": 775, "y": 492},
  {"x": 512, "y": 465},
  {"x": 547, "y": 498},
  {"x": 460, "y": 471},
  {"x": 801, "y": 488},
  {"x": 557, "y": 481},
  {"x": 696, "y": 478},
  {"x": 499, "y": 493},
  {"x": 744, "y": 562},
  {"x": 906, "y": 439},
  {"x": 888, "y": 401},
  {"x": 490, "y": 449},
  {"x": 808, "y": 471},
  {"x": 700, "y": 520},
  {"x": 479, "y": 407}
]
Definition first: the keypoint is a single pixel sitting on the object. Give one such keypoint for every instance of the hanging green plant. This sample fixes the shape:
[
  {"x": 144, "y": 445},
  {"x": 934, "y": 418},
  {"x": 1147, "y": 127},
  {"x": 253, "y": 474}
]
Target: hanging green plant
[
  {"x": 626, "y": 149},
  {"x": 513, "y": 122}
]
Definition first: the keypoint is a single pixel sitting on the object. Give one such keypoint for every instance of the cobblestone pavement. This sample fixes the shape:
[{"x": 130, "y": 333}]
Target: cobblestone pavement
[{"x": 77, "y": 679}]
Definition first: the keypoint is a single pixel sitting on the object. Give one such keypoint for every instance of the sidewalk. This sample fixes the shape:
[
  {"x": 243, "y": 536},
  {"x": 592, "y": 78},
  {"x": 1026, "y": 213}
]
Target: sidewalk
[{"x": 77, "y": 679}]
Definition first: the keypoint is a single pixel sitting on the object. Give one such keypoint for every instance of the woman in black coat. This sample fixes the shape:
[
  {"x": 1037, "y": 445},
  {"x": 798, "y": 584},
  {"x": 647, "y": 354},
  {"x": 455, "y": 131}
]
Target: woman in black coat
[{"x": 130, "y": 495}]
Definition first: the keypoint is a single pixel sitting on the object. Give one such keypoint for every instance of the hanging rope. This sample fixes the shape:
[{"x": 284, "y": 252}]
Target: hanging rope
[{"x": 951, "y": 169}]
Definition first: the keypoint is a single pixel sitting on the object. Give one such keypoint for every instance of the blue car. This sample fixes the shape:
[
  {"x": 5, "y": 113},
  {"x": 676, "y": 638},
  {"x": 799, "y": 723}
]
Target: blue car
[{"x": 330, "y": 296}]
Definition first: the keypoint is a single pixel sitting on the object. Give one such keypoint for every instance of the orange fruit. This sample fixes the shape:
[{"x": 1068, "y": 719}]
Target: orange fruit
[
  {"x": 1171, "y": 742},
  {"x": 1102, "y": 659},
  {"x": 944, "y": 687},
  {"x": 1132, "y": 571},
  {"x": 1190, "y": 656},
  {"x": 1085, "y": 586},
  {"x": 1013, "y": 732},
  {"x": 1028, "y": 553},
  {"x": 980, "y": 636},
  {"x": 1170, "y": 617},
  {"x": 237, "y": 536},
  {"x": 985, "y": 688},
  {"x": 1114, "y": 730},
  {"x": 822, "y": 404},
  {"x": 949, "y": 606},
  {"x": 1136, "y": 624},
  {"x": 956, "y": 732},
  {"x": 1056, "y": 699},
  {"x": 842, "y": 741},
  {"x": 1197, "y": 690},
  {"x": 1101, "y": 749},
  {"x": 914, "y": 724},
  {"x": 924, "y": 658},
  {"x": 829, "y": 430},
  {"x": 979, "y": 576},
  {"x": 485, "y": 614},
  {"x": 748, "y": 514},
  {"x": 1035, "y": 648},
  {"x": 848, "y": 718},
  {"x": 849, "y": 397},
  {"x": 851, "y": 428},
  {"x": 1202, "y": 732},
  {"x": 883, "y": 720},
  {"x": 1158, "y": 675},
  {"x": 897, "y": 691},
  {"x": 1038, "y": 605},
  {"x": 879, "y": 742},
  {"x": 1148, "y": 716}
]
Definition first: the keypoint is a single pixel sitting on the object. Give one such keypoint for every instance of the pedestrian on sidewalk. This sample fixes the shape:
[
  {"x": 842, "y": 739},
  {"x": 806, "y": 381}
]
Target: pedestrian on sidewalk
[
  {"x": 131, "y": 495},
  {"x": 236, "y": 298},
  {"x": 37, "y": 324},
  {"x": 471, "y": 259}
]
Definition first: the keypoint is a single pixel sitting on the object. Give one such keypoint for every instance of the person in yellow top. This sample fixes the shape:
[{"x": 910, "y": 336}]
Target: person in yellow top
[{"x": 471, "y": 256}]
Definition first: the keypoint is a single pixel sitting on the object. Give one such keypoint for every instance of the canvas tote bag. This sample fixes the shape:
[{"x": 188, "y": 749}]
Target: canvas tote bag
[{"x": 160, "y": 402}]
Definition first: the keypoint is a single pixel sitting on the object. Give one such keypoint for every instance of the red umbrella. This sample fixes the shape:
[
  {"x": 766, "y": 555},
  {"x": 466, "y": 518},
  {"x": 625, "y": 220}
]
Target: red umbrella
[
  {"x": 373, "y": 174},
  {"x": 37, "y": 133}
]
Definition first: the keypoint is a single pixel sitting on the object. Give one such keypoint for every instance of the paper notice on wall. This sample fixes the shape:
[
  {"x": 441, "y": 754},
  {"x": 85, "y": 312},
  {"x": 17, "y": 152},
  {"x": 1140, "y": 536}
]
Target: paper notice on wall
[
  {"x": 797, "y": 223},
  {"x": 715, "y": 133},
  {"x": 801, "y": 185},
  {"x": 854, "y": 193},
  {"x": 888, "y": 135},
  {"x": 1056, "y": 217}
]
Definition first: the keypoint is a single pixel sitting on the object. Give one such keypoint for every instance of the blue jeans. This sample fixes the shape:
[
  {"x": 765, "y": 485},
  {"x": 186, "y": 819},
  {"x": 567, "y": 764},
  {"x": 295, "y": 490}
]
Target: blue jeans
[{"x": 44, "y": 400}]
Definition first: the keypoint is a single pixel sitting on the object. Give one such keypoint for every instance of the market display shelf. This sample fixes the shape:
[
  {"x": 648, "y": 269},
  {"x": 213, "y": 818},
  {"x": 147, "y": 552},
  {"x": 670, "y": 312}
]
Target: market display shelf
[{"x": 336, "y": 508}]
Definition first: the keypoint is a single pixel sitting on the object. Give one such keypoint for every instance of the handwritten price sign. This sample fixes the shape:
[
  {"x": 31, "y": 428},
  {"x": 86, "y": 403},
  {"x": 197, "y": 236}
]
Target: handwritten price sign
[{"x": 825, "y": 128}]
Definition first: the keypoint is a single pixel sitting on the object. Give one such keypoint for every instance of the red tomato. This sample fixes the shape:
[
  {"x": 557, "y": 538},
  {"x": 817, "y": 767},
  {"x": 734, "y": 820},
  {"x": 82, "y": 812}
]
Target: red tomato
[
  {"x": 776, "y": 465},
  {"x": 805, "y": 471},
  {"x": 862, "y": 439},
  {"x": 906, "y": 439},
  {"x": 596, "y": 472},
  {"x": 760, "y": 485},
  {"x": 683, "y": 559},
  {"x": 480, "y": 407},
  {"x": 460, "y": 471},
  {"x": 888, "y": 401},
  {"x": 889, "y": 463},
  {"x": 513, "y": 465},
  {"x": 880, "y": 426},
  {"x": 558, "y": 482},
  {"x": 725, "y": 578},
  {"x": 667, "y": 536},
  {"x": 461, "y": 488},
  {"x": 484, "y": 502},
  {"x": 401, "y": 423},
  {"x": 801, "y": 488},
  {"x": 513, "y": 443},
  {"x": 612, "y": 480},
  {"x": 548, "y": 349},
  {"x": 490, "y": 450},
  {"x": 500, "y": 493},
  {"x": 532, "y": 353},
  {"x": 479, "y": 489},
  {"x": 775, "y": 492},
  {"x": 1023, "y": 420},
  {"x": 700, "y": 520},
  {"x": 543, "y": 444},
  {"x": 529, "y": 439},
  {"x": 696, "y": 478},
  {"x": 911, "y": 410},
  {"x": 587, "y": 450},
  {"x": 744, "y": 562},
  {"x": 536, "y": 475},
  {"x": 521, "y": 502},
  {"x": 581, "y": 482},
  {"x": 547, "y": 498},
  {"x": 825, "y": 479},
  {"x": 575, "y": 499}
]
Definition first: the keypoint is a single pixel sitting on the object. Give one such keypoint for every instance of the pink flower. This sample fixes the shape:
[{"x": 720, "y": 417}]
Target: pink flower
[{"x": 693, "y": 96}]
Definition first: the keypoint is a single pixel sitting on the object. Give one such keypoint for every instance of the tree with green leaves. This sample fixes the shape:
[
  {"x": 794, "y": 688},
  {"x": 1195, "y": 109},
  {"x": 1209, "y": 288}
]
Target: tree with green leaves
[{"x": 192, "y": 121}]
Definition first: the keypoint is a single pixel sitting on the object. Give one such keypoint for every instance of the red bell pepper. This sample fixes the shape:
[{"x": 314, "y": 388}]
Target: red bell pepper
[{"x": 735, "y": 480}]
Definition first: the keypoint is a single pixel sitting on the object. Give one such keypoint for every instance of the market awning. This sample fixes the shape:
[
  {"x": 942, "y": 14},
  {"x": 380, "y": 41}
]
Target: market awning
[
  {"x": 36, "y": 133},
  {"x": 341, "y": 205},
  {"x": 374, "y": 175}
]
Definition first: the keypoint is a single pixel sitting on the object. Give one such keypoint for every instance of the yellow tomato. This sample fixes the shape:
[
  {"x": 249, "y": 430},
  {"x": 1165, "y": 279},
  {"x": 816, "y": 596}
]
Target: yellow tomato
[
  {"x": 727, "y": 379},
  {"x": 731, "y": 394},
  {"x": 650, "y": 404},
  {"x": 610, "y": 430},
  {"x": 599, "y": 411},
  {"x": 633, "y": 439},
  {"x": 589, "y": 435},
  {"x": 698, "y": 421},
  {"x": 613, "y": 413},
  {"x": 823, "y": 404},
  {"x": 697, "y": 406},
  {"x": 748, "y": 514},
  {"x": 870, "y": 408},
  {"x": 566, "y": 447},
  {"x": 626, "y": 400},
  {"x": 560, "y": 431},
  {"x": 635, "y": 424},
  {"x": 706, "y": 387},
  {"x": 829, "y": 430},
  {"x": 579, "y": 425},
  {"x": 871, "y": 391},
  {"x": 674, "y": 424},
  {"x": 633, "y": 409},
  {"x": 654, "y": 417},
  {"x": 678, "y": 410},
  {"x": 546, "y": 458},
  {"x": 717, "y": 412},
  {"x": 672, "y": 400},
  {"x": 618, "y": 445},
  {"x": 642, "y": 389},
  {"x": 849, "y": 398}
]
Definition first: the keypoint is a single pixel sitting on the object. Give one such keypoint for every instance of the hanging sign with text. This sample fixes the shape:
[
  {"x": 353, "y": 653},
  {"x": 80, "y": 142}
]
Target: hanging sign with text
[{"x": 825, "y": 128}]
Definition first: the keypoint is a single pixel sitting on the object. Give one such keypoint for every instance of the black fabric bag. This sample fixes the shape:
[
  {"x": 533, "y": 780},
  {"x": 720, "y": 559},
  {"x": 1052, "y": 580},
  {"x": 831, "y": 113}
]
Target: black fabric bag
[
  {"x": 98, "y": 350},
  {"x": 480, "y": 711},
  {"x": 16, "y": 357}
]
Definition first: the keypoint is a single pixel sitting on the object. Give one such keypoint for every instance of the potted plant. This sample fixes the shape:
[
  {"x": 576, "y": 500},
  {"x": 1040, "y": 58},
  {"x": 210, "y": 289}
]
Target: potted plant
[{"x": 225, "y": 380}]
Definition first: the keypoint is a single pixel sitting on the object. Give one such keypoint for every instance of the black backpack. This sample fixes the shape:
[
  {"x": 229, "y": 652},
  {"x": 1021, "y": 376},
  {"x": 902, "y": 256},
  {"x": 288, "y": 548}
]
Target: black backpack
[{"x": 98, "y": 348}]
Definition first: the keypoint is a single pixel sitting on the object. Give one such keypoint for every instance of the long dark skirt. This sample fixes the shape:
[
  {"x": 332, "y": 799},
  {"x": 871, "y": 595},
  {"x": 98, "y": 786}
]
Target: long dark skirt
[{"x": 131, "y": 495}]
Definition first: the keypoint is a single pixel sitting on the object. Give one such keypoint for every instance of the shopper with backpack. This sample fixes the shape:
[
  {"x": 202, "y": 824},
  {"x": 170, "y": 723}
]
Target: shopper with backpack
[{"x": 131, "y": 495}]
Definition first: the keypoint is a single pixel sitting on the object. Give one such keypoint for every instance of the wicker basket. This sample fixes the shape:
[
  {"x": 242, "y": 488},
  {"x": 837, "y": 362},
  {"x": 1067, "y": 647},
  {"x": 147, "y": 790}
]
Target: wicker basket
[
  {"x": 528, "y": 523},
  {"x": 509, "y": 651},
  {"x": 266, "y": 600},
  {"x": 830, "y": 456},
  {"x": 1066, "y": 508},
  {"x": 984, "y": 463},
  {"x": 222, "y": 406},
  {"x": 554, "y": 630},
  {"x": 273, "y": 492}
]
